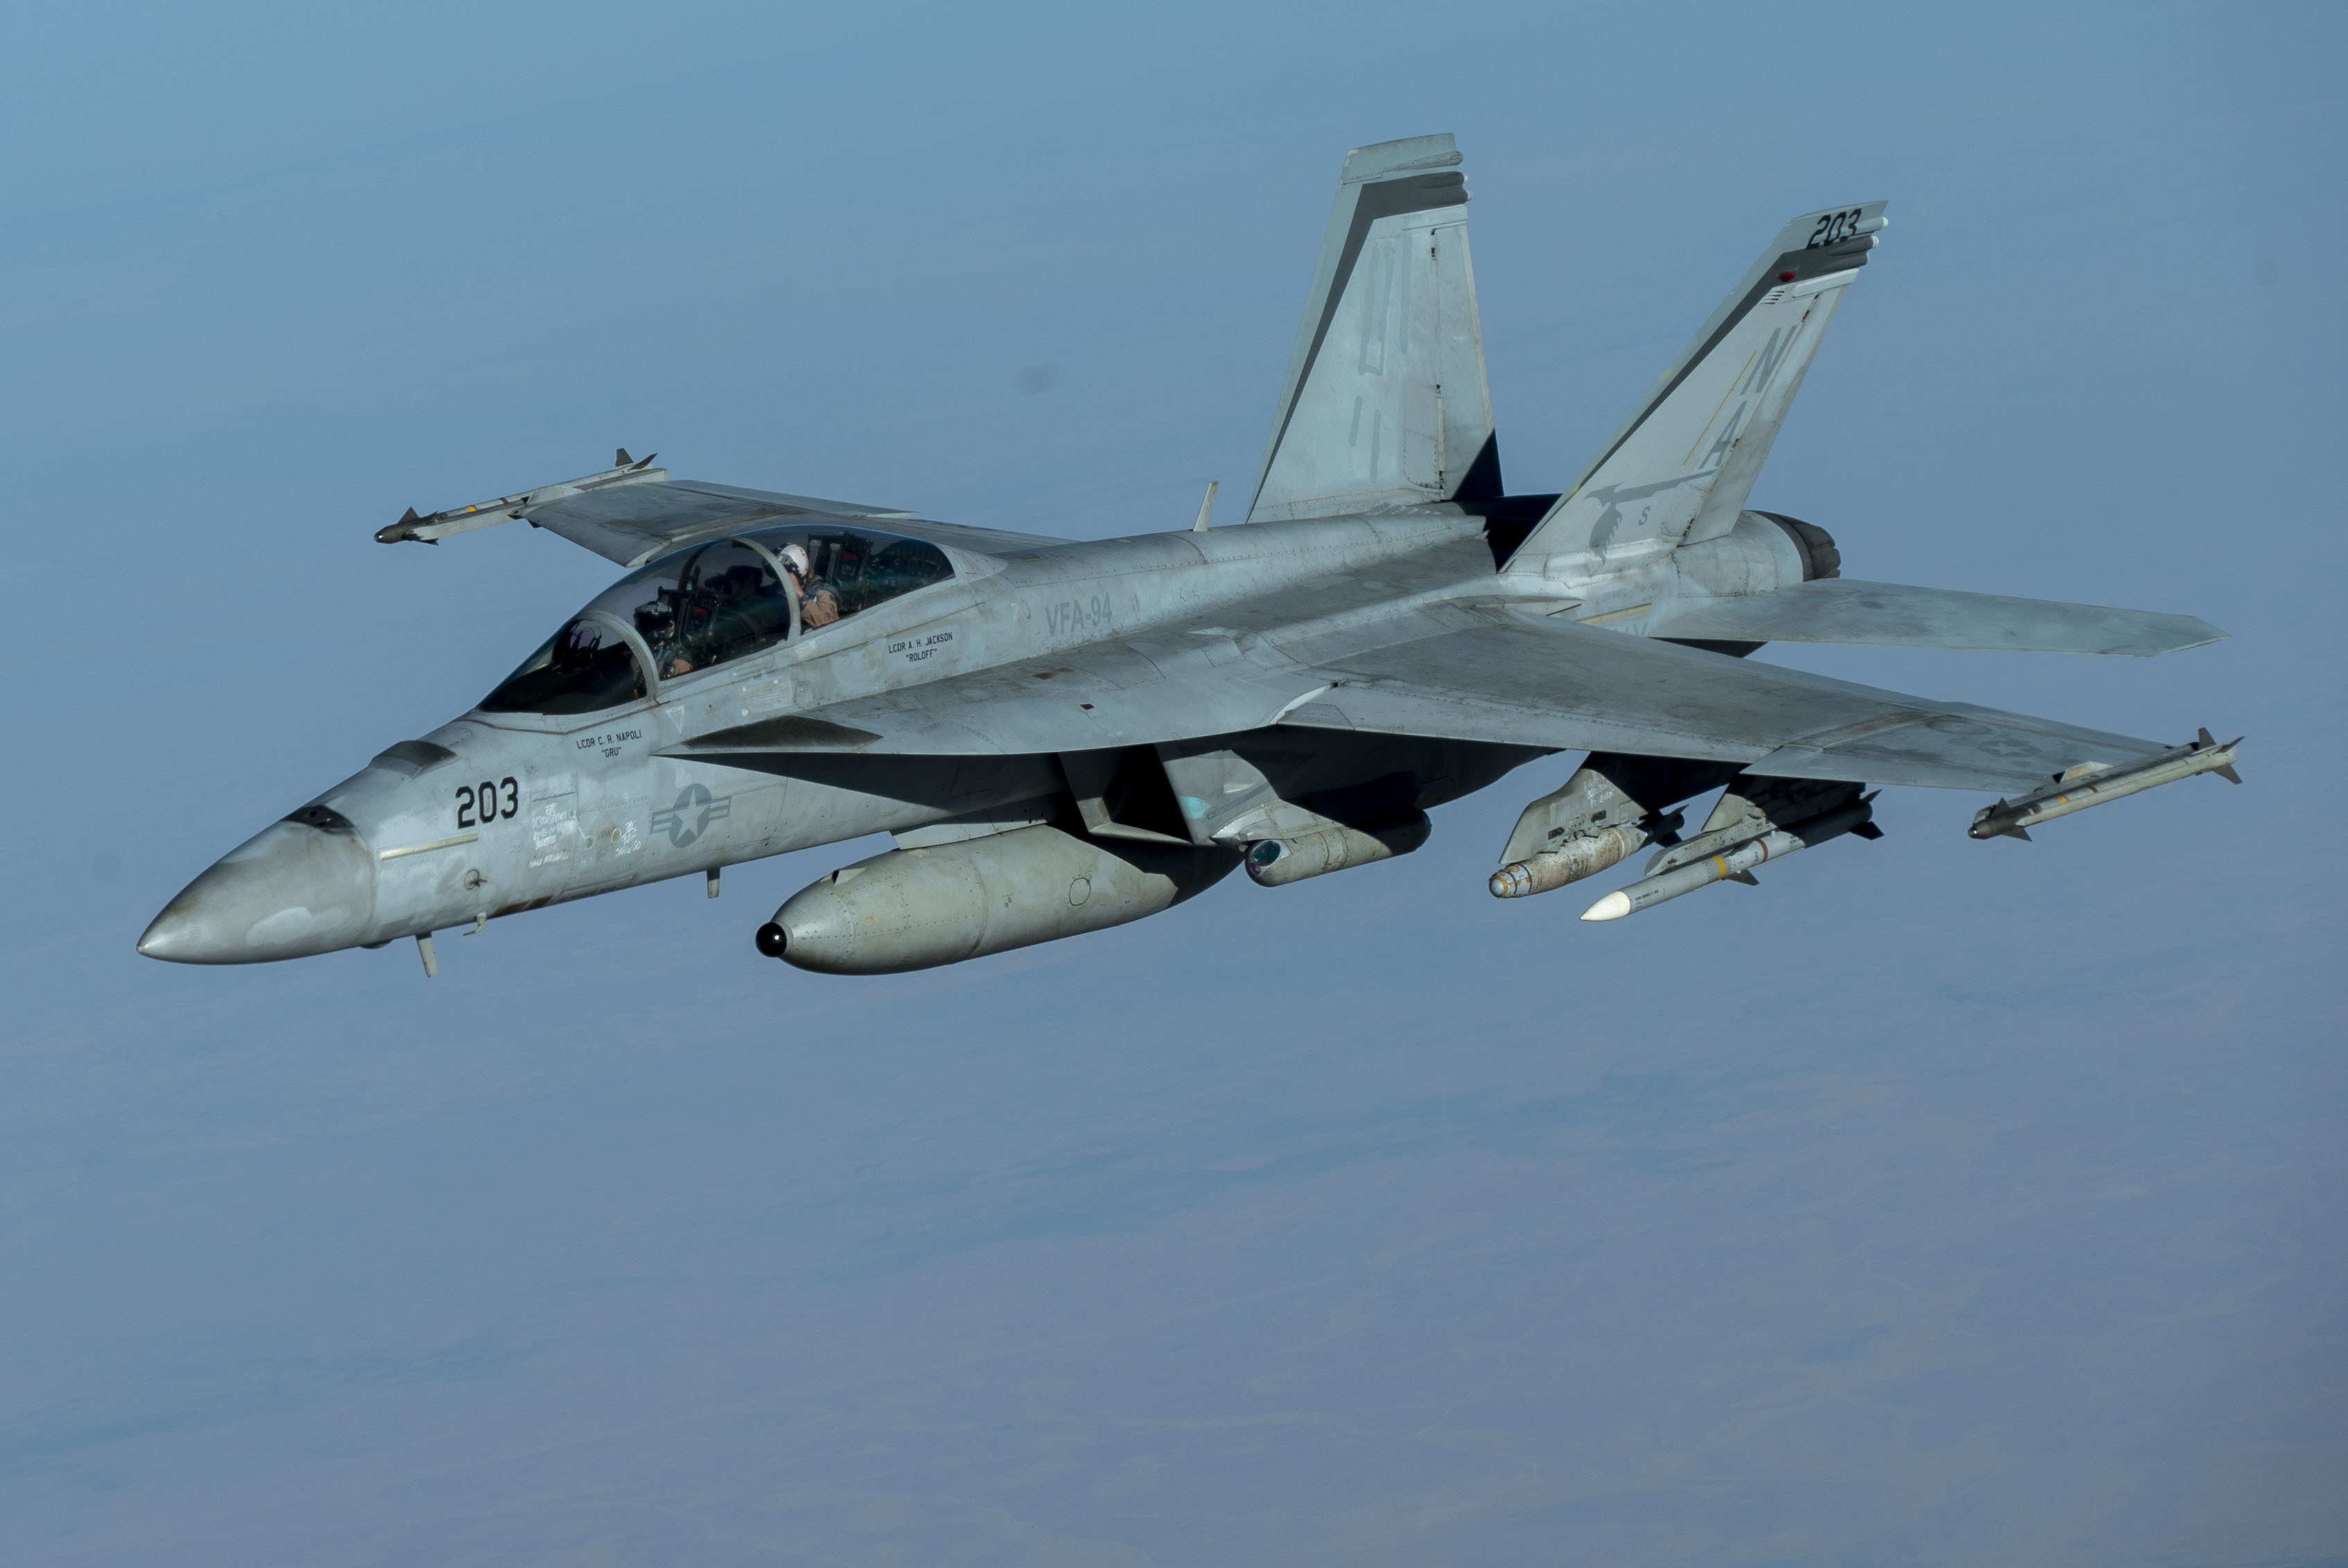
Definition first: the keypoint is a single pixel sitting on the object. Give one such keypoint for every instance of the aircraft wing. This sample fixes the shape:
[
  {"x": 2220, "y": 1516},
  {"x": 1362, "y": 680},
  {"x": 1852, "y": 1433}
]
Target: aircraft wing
[
  {"x": 1456, "y": 672},
  {"x": 631, "y": 524},
  {"x": 631, "y": 513},
  {"x": 1523, "y": 680}
]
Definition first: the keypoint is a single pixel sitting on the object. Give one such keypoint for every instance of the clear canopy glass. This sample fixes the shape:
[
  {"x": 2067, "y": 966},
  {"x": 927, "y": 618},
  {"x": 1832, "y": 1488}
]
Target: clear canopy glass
[{"x": 710, "y": 604}]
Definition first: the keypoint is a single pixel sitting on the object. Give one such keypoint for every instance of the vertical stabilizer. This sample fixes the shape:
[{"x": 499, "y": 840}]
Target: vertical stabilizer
[
  {"x": 1385, "y": 403},
  {"x": 1680, "y": 468}
]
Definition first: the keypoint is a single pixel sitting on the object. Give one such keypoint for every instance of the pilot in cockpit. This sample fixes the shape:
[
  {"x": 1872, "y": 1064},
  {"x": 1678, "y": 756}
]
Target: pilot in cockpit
[
  {"x": 655, "y": 622},
  {"x": 818, "y": 605},
  {"x": 678, "y": 657}
]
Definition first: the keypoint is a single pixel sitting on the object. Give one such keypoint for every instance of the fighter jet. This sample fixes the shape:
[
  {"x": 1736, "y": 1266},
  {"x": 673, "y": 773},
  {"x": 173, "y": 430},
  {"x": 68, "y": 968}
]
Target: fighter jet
[{"x": 1060, "y": 737}]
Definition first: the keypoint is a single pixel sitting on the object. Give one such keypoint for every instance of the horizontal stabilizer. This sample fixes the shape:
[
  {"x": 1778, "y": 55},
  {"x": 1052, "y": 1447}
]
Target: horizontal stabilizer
[{"x": 1895, "y": 615}]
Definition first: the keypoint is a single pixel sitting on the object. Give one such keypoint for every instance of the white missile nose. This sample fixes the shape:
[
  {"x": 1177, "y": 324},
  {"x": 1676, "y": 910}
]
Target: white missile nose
[
  {"x": 1614, "y": 906},
  {"x": 298, "y": 887}
]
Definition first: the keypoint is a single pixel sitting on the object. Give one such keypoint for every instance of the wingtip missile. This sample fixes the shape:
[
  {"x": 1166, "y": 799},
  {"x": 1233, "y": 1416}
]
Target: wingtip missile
[
  {"x": 402, "y": 530},
  {"x": 2223, "y": 770},
  {"x": 2076, "y": 789},
  {"x": 413, "y": 528}
]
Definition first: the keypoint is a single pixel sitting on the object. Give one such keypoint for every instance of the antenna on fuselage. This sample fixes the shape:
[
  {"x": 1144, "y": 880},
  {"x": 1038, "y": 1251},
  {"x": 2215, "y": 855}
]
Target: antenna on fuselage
[{"x": 1206, "y": 508}]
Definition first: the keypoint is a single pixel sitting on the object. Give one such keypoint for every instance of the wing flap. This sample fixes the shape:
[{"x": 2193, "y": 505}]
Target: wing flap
[{"x": 1895, "y": 615}]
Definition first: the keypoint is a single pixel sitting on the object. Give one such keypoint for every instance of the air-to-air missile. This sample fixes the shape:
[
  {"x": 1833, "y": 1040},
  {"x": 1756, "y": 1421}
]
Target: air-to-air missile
[
  {"x": 1700, "y": 863},
  {"x": 2091, "y": 784},
  {"x": 430, "y": 530}
]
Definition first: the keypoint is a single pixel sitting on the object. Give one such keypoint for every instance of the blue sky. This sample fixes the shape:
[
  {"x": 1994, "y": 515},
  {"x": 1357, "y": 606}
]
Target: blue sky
[{"x": 1937, "y": 1201}]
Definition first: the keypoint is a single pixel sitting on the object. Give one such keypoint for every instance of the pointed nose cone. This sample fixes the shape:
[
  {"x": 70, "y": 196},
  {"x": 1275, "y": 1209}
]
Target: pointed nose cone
[{"x": 293, "y": 890}]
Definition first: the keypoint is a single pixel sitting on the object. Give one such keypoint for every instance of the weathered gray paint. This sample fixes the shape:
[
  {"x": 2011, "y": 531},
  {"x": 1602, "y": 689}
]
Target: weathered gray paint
[
  {"x": 917, "y": 908},
  {"x": 1386, "y": 402},
  {"x": 1319, "y": 674},
  {"x": 1897, "y": 615}
]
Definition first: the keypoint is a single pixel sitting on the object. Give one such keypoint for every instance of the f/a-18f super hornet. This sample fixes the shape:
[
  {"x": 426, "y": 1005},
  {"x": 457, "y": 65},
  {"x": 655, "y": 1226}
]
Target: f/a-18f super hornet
[{"x": 1062, "y": 736}]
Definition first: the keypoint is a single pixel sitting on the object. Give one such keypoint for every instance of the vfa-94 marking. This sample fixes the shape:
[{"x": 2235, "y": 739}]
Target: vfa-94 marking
[{"x": 1091, "y": 613}]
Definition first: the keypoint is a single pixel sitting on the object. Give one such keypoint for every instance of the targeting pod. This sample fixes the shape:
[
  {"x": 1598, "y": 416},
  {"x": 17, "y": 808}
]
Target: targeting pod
[
  {"x": 2091, "y": 785},
  {"x": 1276, "y": 862},
  {"x": 1584, "y": 855}
]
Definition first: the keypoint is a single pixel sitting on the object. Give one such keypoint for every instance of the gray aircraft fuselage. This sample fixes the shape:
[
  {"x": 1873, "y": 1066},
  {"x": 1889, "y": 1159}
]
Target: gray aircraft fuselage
[
  {"x": 581, "y": 805},
  {"x": 1064, "y": 735}
]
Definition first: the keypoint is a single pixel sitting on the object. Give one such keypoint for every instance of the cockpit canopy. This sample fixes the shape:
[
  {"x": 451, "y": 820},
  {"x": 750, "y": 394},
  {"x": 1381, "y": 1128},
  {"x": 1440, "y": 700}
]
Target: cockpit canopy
[{"x": 709, "y": 604}]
